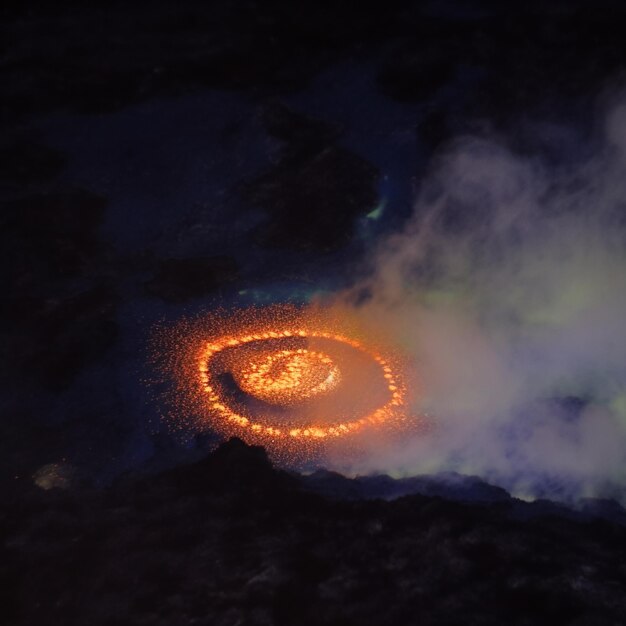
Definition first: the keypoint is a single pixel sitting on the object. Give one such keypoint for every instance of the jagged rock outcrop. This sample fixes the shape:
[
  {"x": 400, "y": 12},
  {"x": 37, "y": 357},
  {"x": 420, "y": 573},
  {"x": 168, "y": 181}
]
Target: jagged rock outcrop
[{"x": 229, "y": 540}]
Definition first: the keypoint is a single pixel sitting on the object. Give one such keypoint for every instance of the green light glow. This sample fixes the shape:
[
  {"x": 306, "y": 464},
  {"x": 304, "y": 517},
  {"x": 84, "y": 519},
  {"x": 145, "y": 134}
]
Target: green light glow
[
  {"x": 618, "y": 406},
  {"x": 562, "y": 306},
  {"x": 376, "y": 214}
]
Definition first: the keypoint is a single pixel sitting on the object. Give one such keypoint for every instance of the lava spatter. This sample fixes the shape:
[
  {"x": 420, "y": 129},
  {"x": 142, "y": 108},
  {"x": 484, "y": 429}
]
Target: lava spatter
[{"x": 293, "y": 379}]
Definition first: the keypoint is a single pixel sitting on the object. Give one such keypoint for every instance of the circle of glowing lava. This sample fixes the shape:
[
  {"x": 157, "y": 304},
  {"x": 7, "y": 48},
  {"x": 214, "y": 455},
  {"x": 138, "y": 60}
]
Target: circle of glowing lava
[
  {"x": 289, "y": 376},
  {"x": 283, "y": 376}
]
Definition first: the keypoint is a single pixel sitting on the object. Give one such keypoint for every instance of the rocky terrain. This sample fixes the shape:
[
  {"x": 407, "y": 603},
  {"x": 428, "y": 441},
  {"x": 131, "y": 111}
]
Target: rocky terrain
[{"x": 231, "y": 540}]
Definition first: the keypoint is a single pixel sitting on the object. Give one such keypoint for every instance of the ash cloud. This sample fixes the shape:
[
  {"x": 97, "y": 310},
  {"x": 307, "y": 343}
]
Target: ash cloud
[{"x": 507, "y": 288}]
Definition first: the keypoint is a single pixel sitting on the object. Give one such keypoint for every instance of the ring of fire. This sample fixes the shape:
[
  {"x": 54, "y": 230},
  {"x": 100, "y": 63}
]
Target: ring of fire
[
  {"x": 282, "y": 378},
  {"x": 301, "y": 381},
  {"x": 288, "y": 383}
]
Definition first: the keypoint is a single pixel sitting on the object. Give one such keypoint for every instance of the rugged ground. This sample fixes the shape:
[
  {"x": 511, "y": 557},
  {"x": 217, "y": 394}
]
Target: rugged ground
[{"x": 231, "y": 540}]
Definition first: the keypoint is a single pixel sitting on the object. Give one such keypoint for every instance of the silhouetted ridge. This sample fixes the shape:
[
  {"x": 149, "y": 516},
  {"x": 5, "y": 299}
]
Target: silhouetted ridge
[
  {"x": 232, "y": 467},
  {"x": 231, "y": 539},
  {"x": 237, "y": 456}
]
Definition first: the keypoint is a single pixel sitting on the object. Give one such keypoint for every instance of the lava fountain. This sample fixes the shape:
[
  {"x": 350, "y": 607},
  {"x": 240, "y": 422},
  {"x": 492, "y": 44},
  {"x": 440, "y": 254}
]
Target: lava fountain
[{"x": 294, "y": 379}]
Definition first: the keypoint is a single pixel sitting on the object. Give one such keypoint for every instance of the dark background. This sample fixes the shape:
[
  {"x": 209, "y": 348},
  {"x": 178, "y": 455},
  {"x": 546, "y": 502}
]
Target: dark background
[{"x": 161, "y": 158}]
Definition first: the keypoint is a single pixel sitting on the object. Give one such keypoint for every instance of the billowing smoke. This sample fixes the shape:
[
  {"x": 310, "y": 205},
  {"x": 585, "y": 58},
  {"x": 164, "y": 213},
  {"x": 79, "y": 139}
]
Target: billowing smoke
[{"x": 507, "y": 288}]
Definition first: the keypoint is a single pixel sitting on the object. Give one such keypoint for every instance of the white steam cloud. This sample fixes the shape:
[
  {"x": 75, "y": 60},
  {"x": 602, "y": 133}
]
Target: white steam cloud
[{"x": 508, "y": 289}]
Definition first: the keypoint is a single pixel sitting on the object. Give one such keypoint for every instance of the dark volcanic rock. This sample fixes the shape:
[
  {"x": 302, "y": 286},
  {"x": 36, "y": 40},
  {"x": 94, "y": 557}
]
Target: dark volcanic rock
[
  {"x": 23, "y": 160},
  {"x": 301, "y": 135},
  {"x": 116, "y": 54},
  {"x": 59, "y": 315},
  {"x": 315, "y": 191},
  {"x": 67, "y": 334},
  {"x": 450, "y": 485},
  {"x": 83, "y": 328},
  {"x": 418, "y": 71},
  {"x": 233, "y": 468},
  {"x": 50, "y": 236},
  {"x": 434, "y": 128},
  {"x": 313, "y": 203},
  {"x": 602, "y": 508},
  {"x": 229, "y": 539},
  {"x": 177, "y": 280}
]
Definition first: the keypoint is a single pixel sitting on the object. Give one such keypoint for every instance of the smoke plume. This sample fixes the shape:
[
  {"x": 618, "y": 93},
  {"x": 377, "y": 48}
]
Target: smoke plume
[{"x": 507, "y": 288}]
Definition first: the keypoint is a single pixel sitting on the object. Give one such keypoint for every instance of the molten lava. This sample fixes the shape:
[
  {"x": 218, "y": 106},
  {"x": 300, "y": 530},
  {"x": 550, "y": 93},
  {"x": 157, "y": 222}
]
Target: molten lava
[{"x": 289, "y": 378}]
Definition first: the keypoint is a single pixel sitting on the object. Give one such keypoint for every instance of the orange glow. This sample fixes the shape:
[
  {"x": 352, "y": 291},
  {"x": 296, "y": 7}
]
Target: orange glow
[{"x": 289, "y": 378}]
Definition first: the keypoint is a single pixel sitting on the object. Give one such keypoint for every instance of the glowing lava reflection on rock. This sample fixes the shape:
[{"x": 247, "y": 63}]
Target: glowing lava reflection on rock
[{"x": 288, "y": 377}]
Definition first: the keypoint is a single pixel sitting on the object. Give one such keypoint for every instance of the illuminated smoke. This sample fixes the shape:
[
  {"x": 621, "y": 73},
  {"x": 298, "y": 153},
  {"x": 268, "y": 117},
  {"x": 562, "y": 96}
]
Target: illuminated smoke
[{"x": 508, "y": 289}]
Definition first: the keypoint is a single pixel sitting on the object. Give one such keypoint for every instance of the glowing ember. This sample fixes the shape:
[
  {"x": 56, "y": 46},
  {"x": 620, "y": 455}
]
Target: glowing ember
[
  {"x": 289, "y": 376},
  {"x": 281, "y": 376}
]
